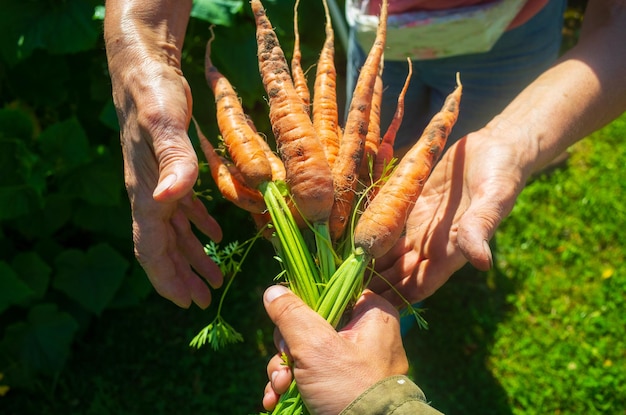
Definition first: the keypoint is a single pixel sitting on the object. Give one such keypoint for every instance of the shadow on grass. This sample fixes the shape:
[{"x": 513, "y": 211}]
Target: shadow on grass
[{"x": 449, "y": 361}]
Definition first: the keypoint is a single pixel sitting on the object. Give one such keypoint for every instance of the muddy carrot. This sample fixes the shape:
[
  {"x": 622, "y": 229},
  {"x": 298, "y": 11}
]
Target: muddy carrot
[
  {"x": 276, "y": 164},
  {"x": 307, "y": 171},
  {"x": 229, "y": 185},
  {"x": 241, "y": 141},
  {"x": 373, "y": 137},
  {"x": 346, "y": 167},
  {"x": 384, "y": 154},
  {"x": 383, "y": 221},
  {"x": 299, "y": 78},
  {"x": 325, "y": 110}
]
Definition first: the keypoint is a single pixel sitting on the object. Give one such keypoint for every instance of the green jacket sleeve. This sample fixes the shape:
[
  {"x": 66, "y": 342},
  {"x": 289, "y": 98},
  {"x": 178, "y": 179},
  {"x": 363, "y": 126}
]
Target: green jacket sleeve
[{"x": 395, "y": 395}]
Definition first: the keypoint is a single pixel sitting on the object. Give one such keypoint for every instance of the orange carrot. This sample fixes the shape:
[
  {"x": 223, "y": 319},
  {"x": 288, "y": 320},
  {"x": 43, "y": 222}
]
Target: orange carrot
[
  {"x": 372, "y": 139},
  {"x": 346, "y": 167},
  {"x": 308, "y": 174},
  {"x": 325, "y": 110},
  {"x": 385, "y": 150},
  {"x": 276, "y": 164},
  {"x": 241, "y": 141},
  {"x": 383, "y": 221},
  {"x": 229, "y": 185},
  {"x": 299, "y": 79}
]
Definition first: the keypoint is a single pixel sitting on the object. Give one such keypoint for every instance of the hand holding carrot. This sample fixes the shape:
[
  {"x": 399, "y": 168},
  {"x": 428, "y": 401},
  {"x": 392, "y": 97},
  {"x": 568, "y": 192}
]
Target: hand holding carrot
[
  {"x": 332, "y": 368},
  {"x": 470, "y": 191},
  {"x": 153, "y": 102}
]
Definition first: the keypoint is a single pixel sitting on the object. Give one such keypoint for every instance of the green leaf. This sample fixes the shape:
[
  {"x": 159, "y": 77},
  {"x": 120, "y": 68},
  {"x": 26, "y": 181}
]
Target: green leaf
[
  {"x": 61, "y": 27},
  {"x": 22, "y": 180},
  {"x": 65, "y": 144},
  {"x": 110, "y": 220},
  {"x": 41, "y": 344},
  {"x": 33, "y": 271},
  {"x": 136, "y": 288},
  {"x": 12, "y": 289},
  {"x": 16, "y": 123},
  {"x": 217, "y": 334},
  {"x": 92, "y": 278},
  {"x": 219, "y": 12},
  {"x": 55, "y": 213},
  {"x": 99, "y": 182},
  {"x": 20, "y": 166},
  {"x": 16, "y": 201}
]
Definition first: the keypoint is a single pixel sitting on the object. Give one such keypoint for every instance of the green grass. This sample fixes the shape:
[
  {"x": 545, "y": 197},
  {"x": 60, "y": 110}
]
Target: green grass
[{"x": 542, "y": 333}]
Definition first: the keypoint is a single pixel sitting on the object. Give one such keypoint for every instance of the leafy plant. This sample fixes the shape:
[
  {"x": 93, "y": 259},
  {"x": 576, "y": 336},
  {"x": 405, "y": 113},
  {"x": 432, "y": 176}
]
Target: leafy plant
[{"x": 65, "y": 232}]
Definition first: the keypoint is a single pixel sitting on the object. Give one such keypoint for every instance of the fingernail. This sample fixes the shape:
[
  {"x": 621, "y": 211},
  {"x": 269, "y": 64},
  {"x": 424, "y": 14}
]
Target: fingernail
[
  {"x": 274, "y": 292},
  {"x": 488, "y": 251},
  {"x": 282, "y": 346},
  {"x": 165, "y": 184}
]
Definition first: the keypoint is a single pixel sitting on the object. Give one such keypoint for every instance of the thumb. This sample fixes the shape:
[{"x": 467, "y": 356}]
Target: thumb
[
  {"x": 178, "y": 169},
  {"x": 298, "y": 323},
  {"x": 476, "y": 228},
  {"x": 178, "y": 163}
]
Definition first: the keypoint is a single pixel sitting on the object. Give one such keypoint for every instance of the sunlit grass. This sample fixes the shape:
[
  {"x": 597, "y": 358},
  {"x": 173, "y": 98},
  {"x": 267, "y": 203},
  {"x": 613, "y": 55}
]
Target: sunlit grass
[{"x": 562, "y": 348}]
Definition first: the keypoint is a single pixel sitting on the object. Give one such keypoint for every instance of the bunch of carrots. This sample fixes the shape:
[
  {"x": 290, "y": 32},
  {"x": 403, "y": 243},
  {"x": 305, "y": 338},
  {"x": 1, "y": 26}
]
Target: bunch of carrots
[{"x": 332, "y": 199}]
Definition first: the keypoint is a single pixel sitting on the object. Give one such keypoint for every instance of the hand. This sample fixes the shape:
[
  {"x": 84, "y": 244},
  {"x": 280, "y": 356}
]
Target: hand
[
  {"x": 153, "y": 102},
  {"x": 472, "y": 188},
  {"x": 332, "y": 368}
]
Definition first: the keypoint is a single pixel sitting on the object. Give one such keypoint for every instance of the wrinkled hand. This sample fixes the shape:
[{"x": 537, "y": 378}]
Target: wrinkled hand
[
  {"x": 332, "y": 368},
  {"x": 153, "y": 102},
  {"x": 470, "y": 191}
]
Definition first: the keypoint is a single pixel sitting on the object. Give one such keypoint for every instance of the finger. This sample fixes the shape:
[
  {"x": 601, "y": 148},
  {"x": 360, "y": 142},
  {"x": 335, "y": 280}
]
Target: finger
[
  {"x": 370, "y": 302},
  {"x": 276, "y": 363},
  {"x": 396, "y": 277},
  {"x": 166, "y": 123},
  {"x": 281, "y": 380},
  {"x": 279, "y": 375},
  {"x": 376, "y": 325},
  {"x": 474, "y": 245},
  {"x": 299, "y": 325},
  {"x": 191, "y": 248},
  {"x": 198, "y": 290},
  {"x": 281, "y": 345},
  {"x": 397, "y": 251},
  {"x": 270, "y": 398},
  {"x": 154, "y": 241},
  {"x": 178, "y": 172},
  {"x": 476, "y": 227},
  {"x": 419, "y": 278},
  {"x": 197, "y": 213}
]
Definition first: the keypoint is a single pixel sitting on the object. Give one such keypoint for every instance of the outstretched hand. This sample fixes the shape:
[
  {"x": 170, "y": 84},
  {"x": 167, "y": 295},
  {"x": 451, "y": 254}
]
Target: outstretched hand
[
  {"x": 160, "y": 169},
  {"x": 472, "y": 188},
  {"x": 153, "y": 102},
  {"x": 332, "y": 368}
]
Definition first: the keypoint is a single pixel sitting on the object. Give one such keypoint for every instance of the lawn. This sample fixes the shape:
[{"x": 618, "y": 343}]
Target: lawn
[{"x": 542, "y": 333}]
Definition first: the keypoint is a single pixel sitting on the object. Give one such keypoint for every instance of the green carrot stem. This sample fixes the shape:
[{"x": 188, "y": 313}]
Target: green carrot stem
[
  {"x": 302, "y": 273},
  {"x": 325, "y": 252},
  {"x": 290, "y": 402},
  {"x": 344, "y": 285}
]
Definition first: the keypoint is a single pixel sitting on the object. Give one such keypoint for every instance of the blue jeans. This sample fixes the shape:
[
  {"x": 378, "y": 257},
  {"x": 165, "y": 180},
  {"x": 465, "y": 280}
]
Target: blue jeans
[{"x": 490, "y": 80}]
